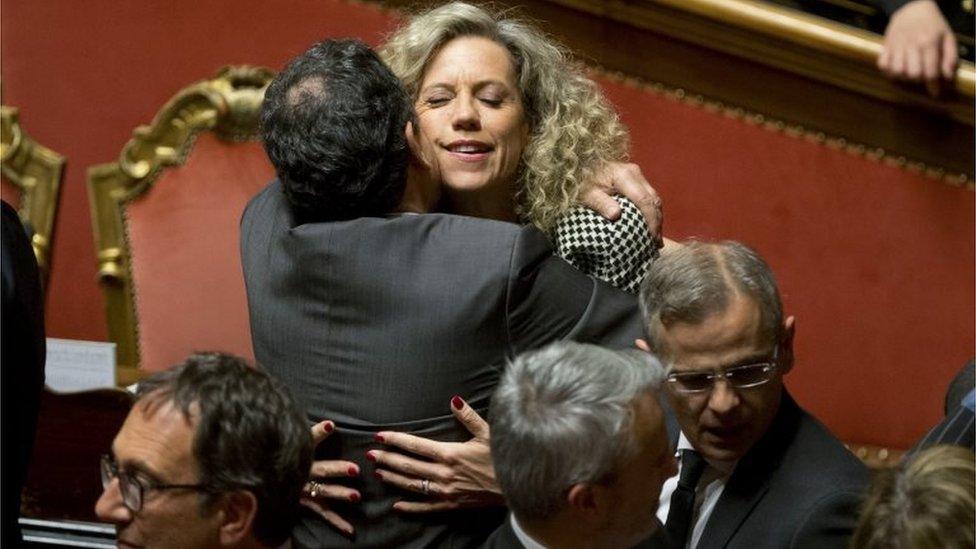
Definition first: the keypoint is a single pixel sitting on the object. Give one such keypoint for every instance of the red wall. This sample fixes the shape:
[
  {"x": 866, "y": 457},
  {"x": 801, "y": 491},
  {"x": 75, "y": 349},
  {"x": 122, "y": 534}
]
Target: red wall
[
  {"x": 876, "y": 263},
  {"x": 85, "y": 74}
]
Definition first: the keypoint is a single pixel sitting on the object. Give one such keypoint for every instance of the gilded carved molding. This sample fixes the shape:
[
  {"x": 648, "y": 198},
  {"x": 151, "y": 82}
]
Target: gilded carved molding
[
  {"x": 36, "y": 171},
  {"x": 228, "y": 105}
]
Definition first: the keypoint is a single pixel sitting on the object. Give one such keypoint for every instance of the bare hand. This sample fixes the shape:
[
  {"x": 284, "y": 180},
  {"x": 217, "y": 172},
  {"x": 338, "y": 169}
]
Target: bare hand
[
  {"x": 625, "y": 179},
  {"x": 919, "y": 46},
  {"x": 461, "y": 474},
  {"x": 315, "y": 494}
]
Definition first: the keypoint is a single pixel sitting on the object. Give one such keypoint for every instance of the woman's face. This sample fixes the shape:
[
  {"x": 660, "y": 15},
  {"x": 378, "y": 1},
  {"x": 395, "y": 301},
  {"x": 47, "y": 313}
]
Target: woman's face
[{"x": 472, "y": 126}]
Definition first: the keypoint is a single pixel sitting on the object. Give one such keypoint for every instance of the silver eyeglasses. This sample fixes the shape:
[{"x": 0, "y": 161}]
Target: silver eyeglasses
[
  {"x": 133, "y": 488},
  {"x": 740, "y": 377}
]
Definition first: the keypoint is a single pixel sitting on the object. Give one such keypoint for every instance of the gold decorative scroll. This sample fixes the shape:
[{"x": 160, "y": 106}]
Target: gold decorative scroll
[
  {"x": 228, "y": 105},
  {"x": 36, "y": 171}
]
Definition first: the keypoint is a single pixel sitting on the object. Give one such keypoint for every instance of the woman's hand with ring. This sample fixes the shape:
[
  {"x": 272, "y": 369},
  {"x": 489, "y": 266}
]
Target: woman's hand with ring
[
  {"x": 459, "y": 475},
  {"x": 316, "y": 494}
]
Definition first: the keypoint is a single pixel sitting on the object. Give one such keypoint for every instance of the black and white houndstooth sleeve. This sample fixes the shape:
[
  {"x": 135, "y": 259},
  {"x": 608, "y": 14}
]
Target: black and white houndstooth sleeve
[{"x": 615, "y": 251}]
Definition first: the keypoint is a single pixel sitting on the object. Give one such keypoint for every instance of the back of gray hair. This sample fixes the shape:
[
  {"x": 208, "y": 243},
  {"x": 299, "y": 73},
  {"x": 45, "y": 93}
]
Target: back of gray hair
[
  {"x": 563, "y": 415},
  {"x": 689, "y": 283}
]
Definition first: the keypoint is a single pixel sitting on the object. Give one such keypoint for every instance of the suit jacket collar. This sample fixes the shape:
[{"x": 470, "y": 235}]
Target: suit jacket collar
[{"x": 750, "y": 480}]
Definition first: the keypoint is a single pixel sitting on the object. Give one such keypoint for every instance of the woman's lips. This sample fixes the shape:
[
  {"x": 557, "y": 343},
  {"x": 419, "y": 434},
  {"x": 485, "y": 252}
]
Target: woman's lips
[{"x": 469, "y": 150}]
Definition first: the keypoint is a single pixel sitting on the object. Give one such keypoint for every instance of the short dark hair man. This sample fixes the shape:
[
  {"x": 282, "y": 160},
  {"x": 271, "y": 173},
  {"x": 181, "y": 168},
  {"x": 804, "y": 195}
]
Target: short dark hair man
[
  {"x": 579, "y": 447},
  {"x": 755, "y": 470},
  {"x": 212, "y": 454},
  {"x": 333, "y": 126},
  {"x": 375, "y": 320}
]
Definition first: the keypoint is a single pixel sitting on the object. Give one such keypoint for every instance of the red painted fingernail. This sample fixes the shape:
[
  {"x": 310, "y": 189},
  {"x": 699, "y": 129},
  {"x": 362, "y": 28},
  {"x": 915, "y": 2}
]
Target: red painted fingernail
[
  {"x": 377, "y": 475},
  {"x": 457, "y": 403},
  {"x": 353, "y": 470},
  {"x": 378, "y": 438},
  {"x": 370, "y": 456},
  {"x": 354, "y": 497},
  {"x": 329, "y": 427}
]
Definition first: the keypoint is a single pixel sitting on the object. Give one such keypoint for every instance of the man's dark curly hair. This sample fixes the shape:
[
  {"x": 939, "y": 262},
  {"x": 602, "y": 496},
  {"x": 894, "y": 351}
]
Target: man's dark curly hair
[
  {"x": 250, "y": 435},
  {"x": 333, "y": 125}
]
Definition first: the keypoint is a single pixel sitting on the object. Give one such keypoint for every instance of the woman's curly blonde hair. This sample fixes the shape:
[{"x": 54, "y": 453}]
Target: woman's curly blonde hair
[{"x": 574, "y": 130}]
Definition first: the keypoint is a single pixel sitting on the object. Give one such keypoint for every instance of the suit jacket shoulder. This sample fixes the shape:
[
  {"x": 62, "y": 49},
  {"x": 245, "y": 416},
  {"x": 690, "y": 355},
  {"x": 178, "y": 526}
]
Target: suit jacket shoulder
[
  {"x": 503, "y": 538},
  {"x": 798, "y": 487}
]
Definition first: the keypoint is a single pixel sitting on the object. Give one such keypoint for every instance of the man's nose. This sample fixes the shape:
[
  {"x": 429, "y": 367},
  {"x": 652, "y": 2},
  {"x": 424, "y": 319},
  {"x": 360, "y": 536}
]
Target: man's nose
[
  {"x": 110, "y": 507},
  {"x": 466, "y": 115},
  {"x": 723, "y": 398}
]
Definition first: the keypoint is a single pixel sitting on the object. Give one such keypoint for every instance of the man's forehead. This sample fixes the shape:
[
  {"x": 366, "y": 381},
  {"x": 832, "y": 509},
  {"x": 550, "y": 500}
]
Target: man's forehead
[
  {"x": 727, "y": 335},
  {"x": 157, "y": 435}
]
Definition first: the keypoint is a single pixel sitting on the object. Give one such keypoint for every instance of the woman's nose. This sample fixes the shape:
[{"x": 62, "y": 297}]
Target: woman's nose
[{"x": 466, "y": 116}]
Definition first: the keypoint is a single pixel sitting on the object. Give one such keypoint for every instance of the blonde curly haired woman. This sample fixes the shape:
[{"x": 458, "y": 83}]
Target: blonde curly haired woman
[{"x": 513, "y": 129}]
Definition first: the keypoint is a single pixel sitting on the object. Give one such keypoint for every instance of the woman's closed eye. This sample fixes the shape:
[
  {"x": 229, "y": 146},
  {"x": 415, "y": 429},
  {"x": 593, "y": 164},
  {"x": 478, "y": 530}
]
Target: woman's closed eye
[
  {"x": 437, "y": 100},
  {"x": 491, "y": 100}
]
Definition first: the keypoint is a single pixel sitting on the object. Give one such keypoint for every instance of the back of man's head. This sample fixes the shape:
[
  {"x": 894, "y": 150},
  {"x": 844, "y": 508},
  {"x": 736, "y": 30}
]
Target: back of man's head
[
  {"x": 689, "y": 283},
  {"x": 564, "y": 415},
  {"x": 333, "y": 124},
  {"x": 249, "y": 435},
  {"x": 926, "y": 502}
]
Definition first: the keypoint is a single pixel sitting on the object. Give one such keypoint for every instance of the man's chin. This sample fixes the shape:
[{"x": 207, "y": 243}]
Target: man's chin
[{"x": 716, "y": 448}]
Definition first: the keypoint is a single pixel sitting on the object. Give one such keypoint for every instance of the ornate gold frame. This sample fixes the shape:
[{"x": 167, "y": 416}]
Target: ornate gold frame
[
  {"x": 36, "y": 171},
  {"x": 228, "y": 105}
]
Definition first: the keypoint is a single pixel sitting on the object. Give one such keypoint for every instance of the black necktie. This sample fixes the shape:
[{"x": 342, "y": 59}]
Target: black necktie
[{"x": 683, "y": 498}]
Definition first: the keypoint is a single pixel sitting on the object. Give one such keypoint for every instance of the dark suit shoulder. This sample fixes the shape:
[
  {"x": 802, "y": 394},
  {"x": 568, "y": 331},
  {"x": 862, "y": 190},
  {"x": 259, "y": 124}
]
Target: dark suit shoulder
[
  {"x": 503, "y": 538},
  {"x": 816, "y": 450}
]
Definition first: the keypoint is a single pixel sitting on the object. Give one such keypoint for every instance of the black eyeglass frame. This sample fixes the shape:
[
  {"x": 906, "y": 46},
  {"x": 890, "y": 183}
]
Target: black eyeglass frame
[
  {"x": 133, "y": 500},
  {"x": 769, "y": 370}
]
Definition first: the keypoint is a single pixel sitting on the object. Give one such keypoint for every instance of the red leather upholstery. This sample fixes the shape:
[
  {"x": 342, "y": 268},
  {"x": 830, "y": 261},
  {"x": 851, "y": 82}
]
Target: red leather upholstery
[{"x": 183, "y": 238}]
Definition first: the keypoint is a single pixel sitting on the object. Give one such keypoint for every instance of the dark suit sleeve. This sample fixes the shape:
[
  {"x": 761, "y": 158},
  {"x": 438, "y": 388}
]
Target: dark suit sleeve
[
  {"x": 22, "y": 374},
  {"x": 549, "y": 300},
  {"x": 829, "y": 523}
]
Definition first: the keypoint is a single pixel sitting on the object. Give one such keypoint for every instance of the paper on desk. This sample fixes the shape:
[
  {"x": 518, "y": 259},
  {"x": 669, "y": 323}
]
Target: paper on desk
[{"x": 74, "y": 365}]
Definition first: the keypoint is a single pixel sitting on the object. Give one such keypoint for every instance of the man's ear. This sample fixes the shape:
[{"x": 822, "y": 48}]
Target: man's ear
[
  {"x": 581, "y": 498},
  {"x": 642, "y": 345},
  {"x": 786, "y": 347},
  {"x": 590, "y": 502},
  {"x": 416, "y": 152},
  {"x": 240, "y": 507}
]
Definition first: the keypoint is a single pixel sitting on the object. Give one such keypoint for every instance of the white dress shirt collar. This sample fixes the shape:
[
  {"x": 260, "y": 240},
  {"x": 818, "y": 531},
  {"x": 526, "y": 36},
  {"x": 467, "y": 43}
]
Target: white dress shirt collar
[{"x": 524, "y": 538}]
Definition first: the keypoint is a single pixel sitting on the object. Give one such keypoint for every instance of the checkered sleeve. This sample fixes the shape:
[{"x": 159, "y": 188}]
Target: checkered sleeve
[{"x": 617, "y": 252}]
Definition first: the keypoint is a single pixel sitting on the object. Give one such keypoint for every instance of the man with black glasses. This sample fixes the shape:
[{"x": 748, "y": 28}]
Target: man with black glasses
[
  {"x": 755, "y": 470},
  {"x": 212, "y": 454}
]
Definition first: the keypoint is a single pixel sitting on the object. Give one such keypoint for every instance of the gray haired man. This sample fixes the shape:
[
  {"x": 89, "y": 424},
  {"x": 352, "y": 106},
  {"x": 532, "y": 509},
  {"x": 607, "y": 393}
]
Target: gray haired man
[
  {"x": 756, "y": 470},
  {"x": 579, "y": 447}
]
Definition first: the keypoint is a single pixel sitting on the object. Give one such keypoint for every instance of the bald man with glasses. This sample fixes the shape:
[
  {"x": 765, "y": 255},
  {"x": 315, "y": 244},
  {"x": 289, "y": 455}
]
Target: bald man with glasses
[{"x": 755, "y": 470}]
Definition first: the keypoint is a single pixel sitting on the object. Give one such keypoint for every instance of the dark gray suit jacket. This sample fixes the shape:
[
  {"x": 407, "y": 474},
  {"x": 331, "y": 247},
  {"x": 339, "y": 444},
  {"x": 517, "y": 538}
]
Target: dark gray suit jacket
[
  {"x": 798, "y": 487},
  {"x": 503, "y": 538},
  {"x": 375, "y": 323}
]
